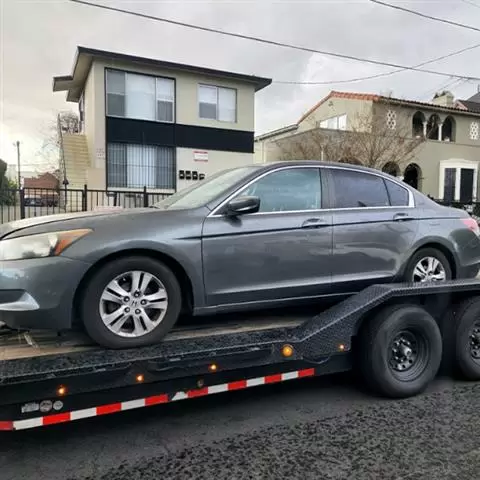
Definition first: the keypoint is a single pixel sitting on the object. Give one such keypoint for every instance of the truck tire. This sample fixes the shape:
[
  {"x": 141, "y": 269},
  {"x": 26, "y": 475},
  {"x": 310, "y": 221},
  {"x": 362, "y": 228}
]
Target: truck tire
[
  {"x": 400, "y": 351},
  {"x": 466, "y": 351},
  {"x": 130, "y": 302}
]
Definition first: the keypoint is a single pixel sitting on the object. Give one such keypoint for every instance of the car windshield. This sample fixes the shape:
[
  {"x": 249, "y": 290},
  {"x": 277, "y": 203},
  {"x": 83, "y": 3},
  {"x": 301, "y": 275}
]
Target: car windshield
[{"x": 207, "y": 190}]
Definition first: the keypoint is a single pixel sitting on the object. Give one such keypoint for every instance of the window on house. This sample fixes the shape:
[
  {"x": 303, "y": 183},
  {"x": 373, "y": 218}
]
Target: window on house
[
  {"x": 115, "y": 93},
  {"x": 143, "y": 97},
  {"x": 217, "y": 103},
  {"x": 138, "y": 166},
  {"x": 335, "y": 123}
]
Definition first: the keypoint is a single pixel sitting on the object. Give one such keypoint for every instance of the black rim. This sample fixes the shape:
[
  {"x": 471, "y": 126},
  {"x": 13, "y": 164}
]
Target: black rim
[
  {"x": 475, "y": 342},
  {"x": 409, "y": 353}
]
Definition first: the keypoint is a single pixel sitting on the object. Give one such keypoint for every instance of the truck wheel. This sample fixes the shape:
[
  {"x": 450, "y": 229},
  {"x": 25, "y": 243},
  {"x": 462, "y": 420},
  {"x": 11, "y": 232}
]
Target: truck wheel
[
  {"x": 400, "y": 351},
  {"x": 428, "y": 265},
  {"x": 466, "y": 354},
  {"x": 130, "y": 302}
]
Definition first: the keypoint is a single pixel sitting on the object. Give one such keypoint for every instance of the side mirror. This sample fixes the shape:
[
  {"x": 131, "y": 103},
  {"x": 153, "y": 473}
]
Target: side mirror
[{"x": 242, "y": 205}]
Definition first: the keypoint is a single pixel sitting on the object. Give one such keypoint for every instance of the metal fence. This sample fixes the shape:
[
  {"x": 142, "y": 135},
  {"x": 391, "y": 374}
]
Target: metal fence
[{"x": 16, "y": 204}]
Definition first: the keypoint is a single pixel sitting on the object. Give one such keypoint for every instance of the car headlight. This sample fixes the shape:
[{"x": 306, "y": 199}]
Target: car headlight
[{"x": 38, "y": 246}]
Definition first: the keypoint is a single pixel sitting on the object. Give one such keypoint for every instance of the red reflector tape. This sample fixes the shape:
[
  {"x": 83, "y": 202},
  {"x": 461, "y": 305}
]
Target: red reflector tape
[
  {"x": 237, "y": 385},
  {"x": 273, "y": 378},
  {"x": 152, "y": 400},
  {"x": 156, "y": 400},
  {"x": 6, "y": 426},
  {"x": 197, "y": 393},
  {"x": 58, "y": 418},
  {"x": 112, "y": 408}
]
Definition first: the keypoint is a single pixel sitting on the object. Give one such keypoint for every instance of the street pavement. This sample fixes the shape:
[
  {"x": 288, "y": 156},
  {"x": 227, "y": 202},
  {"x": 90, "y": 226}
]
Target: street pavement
[{"x": 324, "y": 428}]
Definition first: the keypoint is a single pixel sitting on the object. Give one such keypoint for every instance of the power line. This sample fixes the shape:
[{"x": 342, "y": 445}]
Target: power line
[
  {"x": 424, "y": 15},
  {"x": 385, "y": 74},
  {"x": 272, "y": 42},
  {"x": 469, "y": 2}
]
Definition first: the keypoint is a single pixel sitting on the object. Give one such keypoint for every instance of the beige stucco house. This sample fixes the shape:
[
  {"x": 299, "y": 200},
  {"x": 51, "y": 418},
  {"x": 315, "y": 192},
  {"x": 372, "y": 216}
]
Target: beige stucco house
[
  {"x": 444, "y": 166},
  {"x": 154, "y": 124}
]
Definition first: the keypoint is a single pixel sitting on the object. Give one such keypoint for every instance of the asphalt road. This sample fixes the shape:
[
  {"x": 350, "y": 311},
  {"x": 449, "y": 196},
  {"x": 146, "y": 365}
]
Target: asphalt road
[{"x": 307, "y": 429}]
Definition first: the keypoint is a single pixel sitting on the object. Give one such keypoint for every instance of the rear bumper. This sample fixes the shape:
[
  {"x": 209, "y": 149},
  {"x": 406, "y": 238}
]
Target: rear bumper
[{"x": 39, "y": 293}]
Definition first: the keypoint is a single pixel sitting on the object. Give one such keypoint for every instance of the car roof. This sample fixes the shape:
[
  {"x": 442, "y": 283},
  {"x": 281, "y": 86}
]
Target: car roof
[{"x": 321, "y": 163}]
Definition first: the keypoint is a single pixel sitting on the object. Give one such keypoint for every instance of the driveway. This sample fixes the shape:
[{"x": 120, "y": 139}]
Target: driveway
[{"x": 308, "y": 429}]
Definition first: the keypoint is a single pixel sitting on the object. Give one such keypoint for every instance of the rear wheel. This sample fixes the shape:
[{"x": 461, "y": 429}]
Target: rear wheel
[
  {"x": 131, "y": 302},
  {"x": 466, "y": 355},
  {"x": 400, "y": 350},
  {"x": 428, "y": 265}
]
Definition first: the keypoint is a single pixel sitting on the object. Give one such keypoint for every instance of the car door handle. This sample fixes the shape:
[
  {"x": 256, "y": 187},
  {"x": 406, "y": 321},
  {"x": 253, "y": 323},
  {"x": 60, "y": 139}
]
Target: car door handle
[
  {"x": 401, "y": 217},
  {"x": 314, "y": 223}
]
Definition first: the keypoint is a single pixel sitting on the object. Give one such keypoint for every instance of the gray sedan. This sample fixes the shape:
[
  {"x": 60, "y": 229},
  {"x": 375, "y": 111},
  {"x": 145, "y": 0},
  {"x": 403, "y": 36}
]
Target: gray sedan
[{"x": 246, "y": 238}]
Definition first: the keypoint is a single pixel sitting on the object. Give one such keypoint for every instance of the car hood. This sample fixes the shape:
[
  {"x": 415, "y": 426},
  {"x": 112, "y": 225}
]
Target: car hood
[{"x": 18, "y": 225}]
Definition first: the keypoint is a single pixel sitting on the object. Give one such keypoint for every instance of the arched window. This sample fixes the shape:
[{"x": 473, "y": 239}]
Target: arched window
[
  {"x": 448, "y": 129},
  {"x": 417, "y": 124},
  {"x": 412, "y": 175},
  {"x": 432, "y": 127},
  {"x": 392, "y": 169}
]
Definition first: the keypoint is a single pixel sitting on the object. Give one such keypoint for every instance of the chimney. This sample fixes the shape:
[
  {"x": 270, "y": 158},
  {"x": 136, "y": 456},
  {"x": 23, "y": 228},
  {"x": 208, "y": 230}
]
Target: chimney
[{"x": 444, "y": 99}]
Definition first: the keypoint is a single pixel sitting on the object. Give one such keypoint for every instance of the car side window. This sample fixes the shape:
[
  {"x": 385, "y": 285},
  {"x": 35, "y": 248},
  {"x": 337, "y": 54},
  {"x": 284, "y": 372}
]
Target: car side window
[
  {"x": 398, "y": 195},
  {"x": 355, "y": 189},
  {"x": 289, "y": 189}
]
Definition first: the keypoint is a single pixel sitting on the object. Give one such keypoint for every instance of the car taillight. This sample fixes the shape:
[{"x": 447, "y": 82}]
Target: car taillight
[{"x": 471, "y": 224}]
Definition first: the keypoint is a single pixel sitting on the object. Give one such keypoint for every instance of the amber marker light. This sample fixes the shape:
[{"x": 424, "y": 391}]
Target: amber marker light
[
  {"x": 342, "y": 347},
  {"x": 140, "y": 378},
  {"x": 61, "y": 390},
  {"x": 212, "y": 367},
  {"x": 287, "y": 351}
]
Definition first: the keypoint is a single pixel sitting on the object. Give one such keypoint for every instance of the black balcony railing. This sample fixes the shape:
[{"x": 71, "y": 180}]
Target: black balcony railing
[{"x": 16, "y": 204}]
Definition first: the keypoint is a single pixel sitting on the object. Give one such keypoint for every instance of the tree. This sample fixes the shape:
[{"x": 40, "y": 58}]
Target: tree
[
  {"x": 7, "y": 187},
  {"x": 65, "y": 122},
  {"x": 377, "y": 138}
]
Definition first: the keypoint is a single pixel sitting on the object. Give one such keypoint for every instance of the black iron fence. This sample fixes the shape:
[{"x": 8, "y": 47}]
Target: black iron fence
[{"x": 16, "y": 204}]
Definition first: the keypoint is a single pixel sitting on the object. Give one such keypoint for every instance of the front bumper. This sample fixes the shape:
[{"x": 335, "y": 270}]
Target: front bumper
[{"x": 39, "y": 293}]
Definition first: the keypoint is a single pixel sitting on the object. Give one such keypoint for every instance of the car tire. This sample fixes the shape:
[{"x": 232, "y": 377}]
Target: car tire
[
  {"x": 426, "y": 253},
  {"x": 97, "y": 310},
  {"x": 408, "y": 373},
  {"x": 466, "y": 339}
]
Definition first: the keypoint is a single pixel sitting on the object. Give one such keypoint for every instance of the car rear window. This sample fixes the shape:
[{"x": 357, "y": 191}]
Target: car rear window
[
  {"x": 357, "y": 189},
  {"x": 398, "y": 195}
]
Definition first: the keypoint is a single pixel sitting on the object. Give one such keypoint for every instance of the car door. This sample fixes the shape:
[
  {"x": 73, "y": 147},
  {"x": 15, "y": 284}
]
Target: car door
[
  {"x": 282, "y": 251},
  {"x": 374, "y": 226}
]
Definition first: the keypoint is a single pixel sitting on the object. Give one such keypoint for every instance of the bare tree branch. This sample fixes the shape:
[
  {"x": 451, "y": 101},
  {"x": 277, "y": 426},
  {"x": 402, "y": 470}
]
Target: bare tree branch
[{"x": 371, "y": 141}]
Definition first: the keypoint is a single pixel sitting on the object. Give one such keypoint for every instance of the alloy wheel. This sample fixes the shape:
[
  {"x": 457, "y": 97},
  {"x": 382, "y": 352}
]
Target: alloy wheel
[
  {"x": 429, "y": 269},
  {"x": 133, "y": 304}
]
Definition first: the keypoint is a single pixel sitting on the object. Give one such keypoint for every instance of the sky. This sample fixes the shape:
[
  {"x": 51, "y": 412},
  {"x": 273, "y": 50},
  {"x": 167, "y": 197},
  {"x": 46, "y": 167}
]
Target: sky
[{"x": 38, "y": 39}]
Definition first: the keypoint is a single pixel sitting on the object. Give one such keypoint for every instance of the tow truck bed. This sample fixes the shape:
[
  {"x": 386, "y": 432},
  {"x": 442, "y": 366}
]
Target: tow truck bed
[{"x": 47, "y": 379}]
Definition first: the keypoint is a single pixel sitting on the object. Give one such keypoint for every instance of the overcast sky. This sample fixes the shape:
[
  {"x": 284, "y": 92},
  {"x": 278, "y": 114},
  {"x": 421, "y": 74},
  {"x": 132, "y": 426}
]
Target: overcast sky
[{"x": 38, "y": 39}]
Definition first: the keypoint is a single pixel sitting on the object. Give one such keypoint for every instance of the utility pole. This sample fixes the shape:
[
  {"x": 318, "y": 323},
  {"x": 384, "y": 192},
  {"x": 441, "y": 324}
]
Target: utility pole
[{"x": 17, "y": 144}]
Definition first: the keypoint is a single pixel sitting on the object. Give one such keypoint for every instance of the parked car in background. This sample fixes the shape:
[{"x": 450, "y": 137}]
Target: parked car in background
[{"x": 246, "y": 238}]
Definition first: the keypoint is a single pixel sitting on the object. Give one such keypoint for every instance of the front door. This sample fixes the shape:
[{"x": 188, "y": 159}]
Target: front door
[
  {"x": 466, "y": 185},
  {"x": 281, "y": 252},
  {"x": 374, "y": 226}
]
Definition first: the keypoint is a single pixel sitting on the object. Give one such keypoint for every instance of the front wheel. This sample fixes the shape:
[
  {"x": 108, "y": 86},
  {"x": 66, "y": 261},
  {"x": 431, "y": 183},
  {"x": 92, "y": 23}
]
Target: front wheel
[
  {"x": 131, "y": 302},
  {"x": 400, "y": 351}
]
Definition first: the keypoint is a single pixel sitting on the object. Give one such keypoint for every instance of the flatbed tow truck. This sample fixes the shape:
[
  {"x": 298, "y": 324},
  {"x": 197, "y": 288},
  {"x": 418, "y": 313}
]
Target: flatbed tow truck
[{"x": 396, "y": 334}]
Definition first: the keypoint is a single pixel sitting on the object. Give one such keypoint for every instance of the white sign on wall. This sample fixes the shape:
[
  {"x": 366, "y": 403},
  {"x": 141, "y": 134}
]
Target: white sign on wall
[{"x": 200, "y": 156}]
